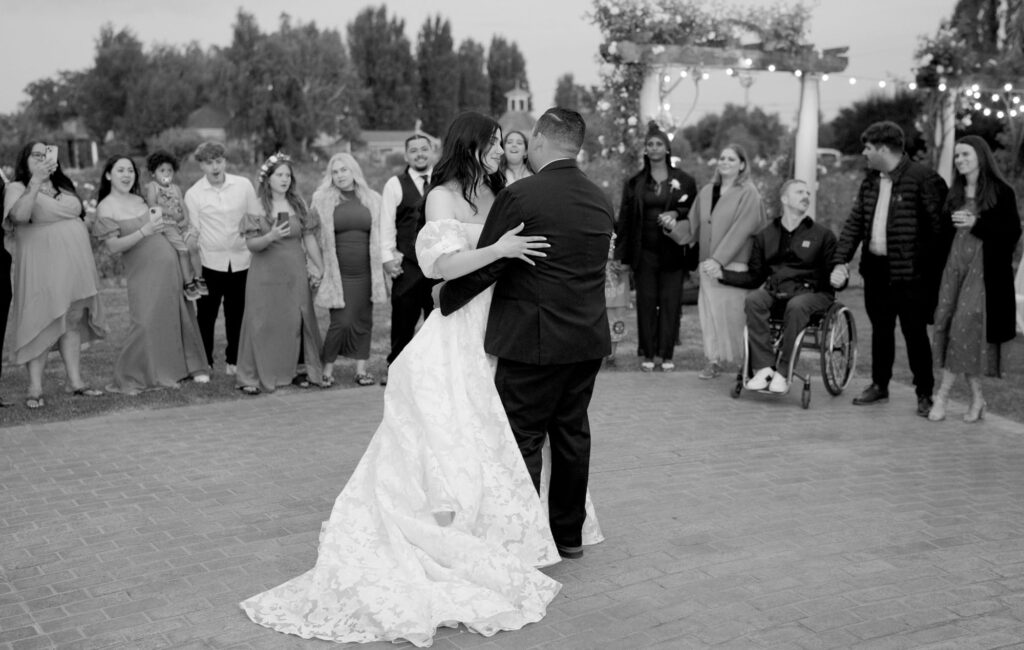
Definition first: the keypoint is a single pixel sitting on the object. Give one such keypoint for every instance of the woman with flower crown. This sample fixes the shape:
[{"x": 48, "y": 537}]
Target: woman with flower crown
[
  {"x": 279, "y": 320},
  {"x": 653, "y": 201}
]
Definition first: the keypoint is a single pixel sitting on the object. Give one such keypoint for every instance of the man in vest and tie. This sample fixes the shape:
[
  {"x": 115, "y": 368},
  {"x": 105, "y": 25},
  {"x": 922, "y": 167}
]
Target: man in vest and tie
[{"x": 401, "y": 218}]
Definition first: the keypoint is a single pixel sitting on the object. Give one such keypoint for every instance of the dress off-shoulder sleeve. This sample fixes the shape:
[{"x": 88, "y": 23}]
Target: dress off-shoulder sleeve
[
  {"x": 105, "y": 227},
  {"x": 253, "y": 225},
  {"x": 436, "y": 239}
]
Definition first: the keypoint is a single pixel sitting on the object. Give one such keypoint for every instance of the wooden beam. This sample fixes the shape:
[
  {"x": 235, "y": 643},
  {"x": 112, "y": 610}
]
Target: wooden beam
[{"x": 739, "y": 58}]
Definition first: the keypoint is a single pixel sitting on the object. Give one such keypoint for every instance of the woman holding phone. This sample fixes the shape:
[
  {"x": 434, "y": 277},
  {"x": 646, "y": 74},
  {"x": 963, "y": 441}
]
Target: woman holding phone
[
  {"x": 56, "y": 286},
  {"x": 163, "y": 345},
  {"x": 279, "y": 323}
]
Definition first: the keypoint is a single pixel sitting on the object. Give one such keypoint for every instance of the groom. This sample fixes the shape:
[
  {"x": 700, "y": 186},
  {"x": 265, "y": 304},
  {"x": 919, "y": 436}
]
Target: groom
[{"x": 547, "y": 325}]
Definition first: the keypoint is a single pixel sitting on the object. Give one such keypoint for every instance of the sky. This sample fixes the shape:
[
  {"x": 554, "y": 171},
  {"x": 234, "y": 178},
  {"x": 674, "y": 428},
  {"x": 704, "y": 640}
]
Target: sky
[{"x": 555, "y": 37}]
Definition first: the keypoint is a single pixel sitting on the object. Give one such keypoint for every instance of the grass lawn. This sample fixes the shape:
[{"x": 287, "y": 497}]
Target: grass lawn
[{"x": 1004, "y": 396}]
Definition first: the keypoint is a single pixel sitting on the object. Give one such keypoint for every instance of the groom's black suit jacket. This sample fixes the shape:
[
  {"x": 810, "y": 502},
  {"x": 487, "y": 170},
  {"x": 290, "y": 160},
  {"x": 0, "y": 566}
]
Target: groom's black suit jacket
[{"x": 554, "y": 312}]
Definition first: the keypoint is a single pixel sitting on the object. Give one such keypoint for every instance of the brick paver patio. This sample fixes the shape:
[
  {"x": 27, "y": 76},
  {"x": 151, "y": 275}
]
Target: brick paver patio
[{"x": 731, "y": 523}]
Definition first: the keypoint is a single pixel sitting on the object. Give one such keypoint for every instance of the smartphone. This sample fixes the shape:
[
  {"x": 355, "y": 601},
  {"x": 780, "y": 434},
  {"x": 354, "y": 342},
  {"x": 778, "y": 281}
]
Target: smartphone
[
  {"x": 51, "y": 153},
  {"x": 282, "y": 218},
  {"x": 156, "y": 213}
]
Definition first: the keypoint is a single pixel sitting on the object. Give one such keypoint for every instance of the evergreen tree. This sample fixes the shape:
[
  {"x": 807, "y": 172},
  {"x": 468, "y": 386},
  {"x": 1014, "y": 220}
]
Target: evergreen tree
[
  {"x": 439, "y": 75},
  {"x": 505, "y": 67},
  {"x": 385, "y": 67},
  {"x": 474, "y": 85}
]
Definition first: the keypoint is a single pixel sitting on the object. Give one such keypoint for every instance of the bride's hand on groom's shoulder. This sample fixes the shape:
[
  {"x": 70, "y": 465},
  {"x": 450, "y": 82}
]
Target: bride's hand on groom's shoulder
[
  {"x": 436, "y": 294},
  {"x": 523, "y": 247}
]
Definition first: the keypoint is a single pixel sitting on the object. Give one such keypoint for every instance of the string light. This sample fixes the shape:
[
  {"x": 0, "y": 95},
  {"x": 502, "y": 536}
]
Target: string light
[
  {"x": 683, "y": 74},
  {"x": 825, "y": 77},
  {"x": 771, "y": 67},
  {"x": 853, "y": 81},
  {"x": 798, "y": 73},
  {"x": 881, "y": 84}
]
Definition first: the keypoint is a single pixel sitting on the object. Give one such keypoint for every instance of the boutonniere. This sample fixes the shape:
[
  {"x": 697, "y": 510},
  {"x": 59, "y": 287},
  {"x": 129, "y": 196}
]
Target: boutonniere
[
  {"x": 682, "y": 199},
  {"x": 675, "y": 184}
]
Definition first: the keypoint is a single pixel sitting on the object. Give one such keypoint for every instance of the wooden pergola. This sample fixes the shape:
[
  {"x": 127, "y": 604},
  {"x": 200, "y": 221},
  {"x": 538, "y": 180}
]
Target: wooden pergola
[{"x": 806, "y": 63}]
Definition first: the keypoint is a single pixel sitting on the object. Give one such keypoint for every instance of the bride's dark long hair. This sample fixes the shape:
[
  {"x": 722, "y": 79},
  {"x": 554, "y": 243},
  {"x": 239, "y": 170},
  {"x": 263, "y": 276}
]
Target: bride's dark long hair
[{"x": 468, "y": 139}]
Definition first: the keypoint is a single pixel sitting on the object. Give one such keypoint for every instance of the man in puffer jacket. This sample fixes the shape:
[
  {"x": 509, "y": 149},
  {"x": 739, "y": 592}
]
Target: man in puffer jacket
[{"x": 898, "y": 216}]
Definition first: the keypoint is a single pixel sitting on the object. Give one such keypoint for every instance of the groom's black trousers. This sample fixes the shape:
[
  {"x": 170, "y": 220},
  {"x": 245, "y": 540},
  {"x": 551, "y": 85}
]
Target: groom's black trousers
[{"x": 552, "y": 401}]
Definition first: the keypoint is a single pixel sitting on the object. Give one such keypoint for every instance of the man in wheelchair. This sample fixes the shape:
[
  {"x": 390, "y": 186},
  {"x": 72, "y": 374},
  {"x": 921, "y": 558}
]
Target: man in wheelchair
[{"x": 790, "y": 265}]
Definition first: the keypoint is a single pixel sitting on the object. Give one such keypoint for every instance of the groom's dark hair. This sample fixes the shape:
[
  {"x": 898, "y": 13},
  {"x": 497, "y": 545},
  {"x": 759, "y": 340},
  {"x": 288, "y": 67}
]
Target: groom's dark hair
[{"x": 563, "y": 126}]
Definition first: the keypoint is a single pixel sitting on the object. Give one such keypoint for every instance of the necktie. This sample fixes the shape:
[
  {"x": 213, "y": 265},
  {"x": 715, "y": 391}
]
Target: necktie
[{"x": 426, "y": 182}]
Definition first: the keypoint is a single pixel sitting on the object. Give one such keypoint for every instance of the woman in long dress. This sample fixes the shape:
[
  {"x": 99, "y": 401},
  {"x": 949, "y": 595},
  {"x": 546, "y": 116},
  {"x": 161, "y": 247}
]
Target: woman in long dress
[
  {"x": 439, "y": 524},
  {"x": 975, "y": 314},
  {"x": 349, "y": 215},
  {"x": 163, "y": 345},
  {"x": 728, "y": 210},
  {"x": 279, "y": 322},
  {"x": 56, "y": 285}
]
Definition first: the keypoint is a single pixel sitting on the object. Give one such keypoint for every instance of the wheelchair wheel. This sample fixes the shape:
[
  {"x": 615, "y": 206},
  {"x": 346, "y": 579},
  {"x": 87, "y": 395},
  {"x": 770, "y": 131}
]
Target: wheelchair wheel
[{"x": 838, "y": 342}]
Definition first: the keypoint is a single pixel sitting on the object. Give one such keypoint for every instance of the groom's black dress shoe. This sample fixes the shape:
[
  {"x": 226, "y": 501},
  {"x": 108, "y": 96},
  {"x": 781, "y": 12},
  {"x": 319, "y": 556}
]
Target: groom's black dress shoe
[
  {"x": 873, "y": 394},
  {"x": 570, "y": 552}
]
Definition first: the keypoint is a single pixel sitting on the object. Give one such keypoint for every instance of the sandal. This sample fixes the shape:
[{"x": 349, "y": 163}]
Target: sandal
[
  {"x": 250, "y": 390},
  {"x": 86, "y": 391},
  {"x": 327, "y": 381},
  {"x": 33, "y": 402},
  {"x": 301, "y": 380},
  {"x": 365, "y": 379}
]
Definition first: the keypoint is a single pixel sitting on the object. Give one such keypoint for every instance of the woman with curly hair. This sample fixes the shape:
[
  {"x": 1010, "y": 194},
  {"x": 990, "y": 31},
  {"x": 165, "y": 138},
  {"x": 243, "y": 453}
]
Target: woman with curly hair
[{"x": 279, "y": 321}]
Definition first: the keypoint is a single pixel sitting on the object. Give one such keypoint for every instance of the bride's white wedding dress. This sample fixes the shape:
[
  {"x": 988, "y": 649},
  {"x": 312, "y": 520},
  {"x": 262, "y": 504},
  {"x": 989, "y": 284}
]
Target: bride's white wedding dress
[{"x": 387, "y": 567}]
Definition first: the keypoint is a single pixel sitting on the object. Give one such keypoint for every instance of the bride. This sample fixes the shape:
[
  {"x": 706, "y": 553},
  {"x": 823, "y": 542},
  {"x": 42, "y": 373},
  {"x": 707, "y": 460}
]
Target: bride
[{"x": 439, "y": 524}]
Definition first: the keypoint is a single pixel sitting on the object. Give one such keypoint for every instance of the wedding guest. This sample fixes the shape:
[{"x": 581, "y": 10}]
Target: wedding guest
[
  {"x": 163, "y": 345},
  {"x": 975, "y": 313},
  {"x": 5, "y": 284},
  {"x": 653, "y": 201},
  {"x": 898, "y": 216},
  {"x": 279, "y": 319},
  {"x": 401, "y": 219},
  {"x": 728, "y": 211},
  {"x": 56, "y": 286},
  {"x": 216, "y": 204},
  {"x": 163, "y": 193},
  {"x": 349, "y": 237},
  {"x": 515, "y": 164}
]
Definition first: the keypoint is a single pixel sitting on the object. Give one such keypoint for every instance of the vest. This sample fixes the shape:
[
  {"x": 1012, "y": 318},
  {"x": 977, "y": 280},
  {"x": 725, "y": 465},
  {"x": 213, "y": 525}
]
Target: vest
[{"x": 409, "y": 218}]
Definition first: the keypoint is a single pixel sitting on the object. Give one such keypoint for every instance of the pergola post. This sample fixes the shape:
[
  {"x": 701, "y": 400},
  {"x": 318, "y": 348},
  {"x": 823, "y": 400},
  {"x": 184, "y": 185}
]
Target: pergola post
[
  {"x": 806, "y": 150},
  {"x": 945, "y": 132},
  {"x": 650, "y": 100}
]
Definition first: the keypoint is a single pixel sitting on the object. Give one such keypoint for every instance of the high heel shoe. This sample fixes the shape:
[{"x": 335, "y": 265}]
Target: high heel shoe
[
  {"x": 938, "y": 409},
  {"x": 976, "y": 411}
]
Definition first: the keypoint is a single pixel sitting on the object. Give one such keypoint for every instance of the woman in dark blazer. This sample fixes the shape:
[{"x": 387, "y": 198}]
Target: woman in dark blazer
[
  {"x": 975, "y": 314},
  {"x": 652, "y": 202}
]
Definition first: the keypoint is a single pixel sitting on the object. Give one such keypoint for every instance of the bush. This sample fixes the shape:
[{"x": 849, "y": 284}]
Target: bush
[{"x": 179, "y": 142}]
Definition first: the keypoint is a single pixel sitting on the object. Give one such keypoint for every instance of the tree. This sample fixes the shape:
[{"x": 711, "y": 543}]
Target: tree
[
  {"x": 238, "y": 87},
  {"x": 569, "y": 94},
  {"x": 385, "y": 67},
  {"x": 505, "y": 67},
  {"x": 103, "y": 101},
  {"x": 474, "y": 85},
  {"x": 439, "y": 74},
  {"x": 53, "y": 100},
  {"x": 170, "y": 87},
  {"x": 762, "y": 134},
  {"x": 903, "y": 109}
]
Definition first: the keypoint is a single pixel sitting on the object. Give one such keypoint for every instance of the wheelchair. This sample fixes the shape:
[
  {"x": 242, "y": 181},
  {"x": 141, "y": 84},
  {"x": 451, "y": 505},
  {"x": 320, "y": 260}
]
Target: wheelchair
[{"x": 832, "y": 333}]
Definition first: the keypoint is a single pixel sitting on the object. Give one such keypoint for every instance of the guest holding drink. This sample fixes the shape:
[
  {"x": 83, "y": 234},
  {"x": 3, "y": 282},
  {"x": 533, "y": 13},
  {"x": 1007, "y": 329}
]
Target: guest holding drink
[
  {"x": 727, "y": 212},
  {"x": 163, "y": 345},
  {"x": 653, "y": 201},
  {"x": 56, "y": 286},
  {"x": 279, "y": 320},
  {"x": 515, "y": 164},
  {"x": 349, "y": 237},
  {"x": 975, "y": 313}
]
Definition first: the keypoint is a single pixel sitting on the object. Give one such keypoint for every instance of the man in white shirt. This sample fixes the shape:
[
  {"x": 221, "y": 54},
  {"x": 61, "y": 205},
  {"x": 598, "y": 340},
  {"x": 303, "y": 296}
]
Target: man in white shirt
[
  {"x": 216, "y": 204},
  {"x": 401, "y": 218}
]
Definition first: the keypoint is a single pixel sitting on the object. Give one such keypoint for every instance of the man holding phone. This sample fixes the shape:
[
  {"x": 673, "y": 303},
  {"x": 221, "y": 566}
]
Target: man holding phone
[{"x": 216, "y": 204}]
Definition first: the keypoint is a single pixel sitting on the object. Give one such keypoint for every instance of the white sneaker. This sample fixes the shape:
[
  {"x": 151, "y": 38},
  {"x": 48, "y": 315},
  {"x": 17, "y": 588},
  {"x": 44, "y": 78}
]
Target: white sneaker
[
  {"x": 760, "y": 379},
  {"x": 201, "y": 378},
  {"x": 230, "y": 369},
  {"x": 779, "y": 383}
]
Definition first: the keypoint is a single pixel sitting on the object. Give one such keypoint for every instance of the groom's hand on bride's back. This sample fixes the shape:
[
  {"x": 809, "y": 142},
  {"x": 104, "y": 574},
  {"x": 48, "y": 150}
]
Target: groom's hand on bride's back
[{"x": 436, "y": 293}]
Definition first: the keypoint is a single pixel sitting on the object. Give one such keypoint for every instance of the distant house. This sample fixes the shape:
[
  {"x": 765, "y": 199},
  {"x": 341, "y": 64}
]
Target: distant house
[
  {"x": 77, "y": 148},
  {"x": 209, "y": 122},
  {"x": 517, "y": 115},
  {"x": 381, "y": 144}
]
